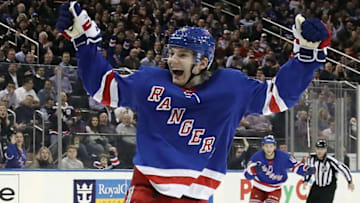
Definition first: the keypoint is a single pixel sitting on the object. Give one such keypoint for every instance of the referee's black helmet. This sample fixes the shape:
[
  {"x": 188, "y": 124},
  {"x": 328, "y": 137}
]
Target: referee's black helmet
[{"x": 321, "y": 143}]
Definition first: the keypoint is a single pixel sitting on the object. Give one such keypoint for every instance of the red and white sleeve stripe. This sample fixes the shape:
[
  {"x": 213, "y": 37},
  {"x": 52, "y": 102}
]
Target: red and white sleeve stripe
[
  {"x": 273, "y": 102},
  {"x": 107, "y": 94},
  {"x": 296, "y": 167}
]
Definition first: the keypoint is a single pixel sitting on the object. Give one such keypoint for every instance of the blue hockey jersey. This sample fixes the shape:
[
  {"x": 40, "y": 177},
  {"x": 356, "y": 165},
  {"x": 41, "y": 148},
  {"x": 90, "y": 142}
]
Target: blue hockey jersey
[
  {"x": 273, "y": 172},
  {"x": 14, "y": 157},
  {"x": 184, "y": 136}
]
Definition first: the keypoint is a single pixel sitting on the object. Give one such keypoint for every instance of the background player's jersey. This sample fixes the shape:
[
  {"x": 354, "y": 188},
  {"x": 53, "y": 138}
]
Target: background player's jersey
[
  {"x": 273, "y": 172},
  {"x": 184, "y": 136}
]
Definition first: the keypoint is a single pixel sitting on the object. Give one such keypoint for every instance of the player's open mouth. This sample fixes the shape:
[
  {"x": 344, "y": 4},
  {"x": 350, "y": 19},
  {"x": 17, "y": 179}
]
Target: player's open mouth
[{"x": 177, "y": 72}]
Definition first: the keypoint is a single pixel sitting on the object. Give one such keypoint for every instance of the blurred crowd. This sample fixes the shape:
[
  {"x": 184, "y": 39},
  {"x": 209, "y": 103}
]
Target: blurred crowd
[{"x": 135, "y": 33}]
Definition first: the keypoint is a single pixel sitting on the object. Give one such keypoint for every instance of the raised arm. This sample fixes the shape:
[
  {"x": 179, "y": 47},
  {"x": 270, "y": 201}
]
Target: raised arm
[
  {"x": 98, "y": 78},
  {"x": 284, "y": 90}
]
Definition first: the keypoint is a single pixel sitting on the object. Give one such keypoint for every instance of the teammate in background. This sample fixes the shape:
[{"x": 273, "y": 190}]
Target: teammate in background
[
  {"x": 327, "y": 167},
  {"x": 187, "y": 115},
  {"x": 268, "y": 168}
]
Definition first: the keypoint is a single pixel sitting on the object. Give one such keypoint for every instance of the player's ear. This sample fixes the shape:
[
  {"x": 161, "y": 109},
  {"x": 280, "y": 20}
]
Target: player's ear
[{"x": 202, "y": 65}]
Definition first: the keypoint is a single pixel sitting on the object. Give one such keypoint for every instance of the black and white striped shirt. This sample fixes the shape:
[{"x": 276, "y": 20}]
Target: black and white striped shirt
[{"x": 327, "y": 169}]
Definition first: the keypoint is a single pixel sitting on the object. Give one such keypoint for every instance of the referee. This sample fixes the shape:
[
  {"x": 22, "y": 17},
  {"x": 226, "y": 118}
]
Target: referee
[{"x": 327, "y": 167}]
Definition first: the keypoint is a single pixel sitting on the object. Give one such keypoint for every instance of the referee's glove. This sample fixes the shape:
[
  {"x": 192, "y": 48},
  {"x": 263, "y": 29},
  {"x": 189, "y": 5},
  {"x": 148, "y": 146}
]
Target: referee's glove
[{"x": 309, "y": 170}]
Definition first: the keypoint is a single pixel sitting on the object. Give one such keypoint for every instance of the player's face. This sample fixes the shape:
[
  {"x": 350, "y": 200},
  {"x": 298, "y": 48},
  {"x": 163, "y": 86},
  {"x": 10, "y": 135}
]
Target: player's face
[
  {"x": 320, "y": 152},
  {"x": 180, "y": 62},
  {"x": 269, "y": 149}
]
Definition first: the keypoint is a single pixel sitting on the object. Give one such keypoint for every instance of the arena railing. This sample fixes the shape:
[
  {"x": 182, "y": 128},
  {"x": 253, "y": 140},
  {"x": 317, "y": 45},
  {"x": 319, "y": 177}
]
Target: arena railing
[
  {"x": 38, "y": 127},
  {"x": 24, "y": 36},
  {"x": 329, "y": 48}
]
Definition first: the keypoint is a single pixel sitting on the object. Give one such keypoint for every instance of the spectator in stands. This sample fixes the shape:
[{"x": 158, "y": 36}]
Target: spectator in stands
[
  {"x": 11, "y": 56},
  {"x": 70, "y": 161},
  {"x": 114, "y": 51},
  {"x": 260, "y": 75},
  {"x": 235, "y": 63},
  {"x": 323, "y": 119},
  {"x": 283, "y": 147},
  {"x": 247, "y": 21},
  {"x": 68, "y": 71},
  {"x": 327, "y": 72},
  {"x": 49, "y": 60},
  {"x": 257, "y": 50},
  {"x": 270, "y": 67},
  {"x": 257, "y": 31},
  {"x": 263, "y": 43},
  {"x": 339, "y": 73},
  {"x": 127, "y": 129},
  {"x": 44, "y": 41},
  {"x": 39, "y": 79},
  {"x": 107, "y": 161},
  {"x": 224, "y": 41},
  {"x": 236, "y": 53},
  {"x": 65, "y": 82},
  {"x": 24, "y": 112},
  {"x": 2, "y": 80},
  {"x": 12, "y": 76},
  {"x": 10, "y": 93},
  {"x": 15, "y": 153},
  {"x": 329, "y": 135},
  {"x": 93, "y": 125},
  {"x": 94, "y": 143},
  {"x": 104, "y": 124},
  {"x": 250, "y": 64},
  {"x": 27, "y": 90},
  {"x": 157, "y": 59},
  {"x": 140, "y": 51},
  {"x": 301, "y": 130},
  {"x": 20, "y": 56},
  {"x": 78, "y": 125},
  {"x": 5, "y": 132},
  {"x": 242, "y": 156},
  {"x": 43, "y": 159},
  {"x": 4, "y": 101},
  {"x": 157, "y": 48},
  {"x": 67, "y": 118},
  {"x": 323, "y": 99},
  {"x": 46, "y": 92},
  {"x": 344, "y": 35},
  {"x": 48, "y": 108},
  {"x": 132, "y": 61},
  {"x": 27, "y": 69},
  {"x": 149, "y": 59}
]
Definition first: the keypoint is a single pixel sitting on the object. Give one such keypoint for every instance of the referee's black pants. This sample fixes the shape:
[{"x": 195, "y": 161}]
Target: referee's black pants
[{"x": 322, "y": 194}]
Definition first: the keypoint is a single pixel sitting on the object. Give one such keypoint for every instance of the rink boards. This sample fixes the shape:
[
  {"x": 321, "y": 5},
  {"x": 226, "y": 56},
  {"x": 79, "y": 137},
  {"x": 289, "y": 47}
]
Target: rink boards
[{"x": 90, "y": 186}]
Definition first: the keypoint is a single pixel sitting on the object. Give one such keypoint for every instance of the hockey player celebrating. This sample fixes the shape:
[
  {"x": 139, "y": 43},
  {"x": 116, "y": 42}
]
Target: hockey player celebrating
[
  {"x": 187, "y": 116},
  {"x": 268, "y": 168}
]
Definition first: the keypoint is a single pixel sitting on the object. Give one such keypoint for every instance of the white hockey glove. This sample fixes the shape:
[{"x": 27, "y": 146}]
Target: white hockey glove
[
  {"x": 312, "y": 39},
  {"x": 75, "y": 24}
]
